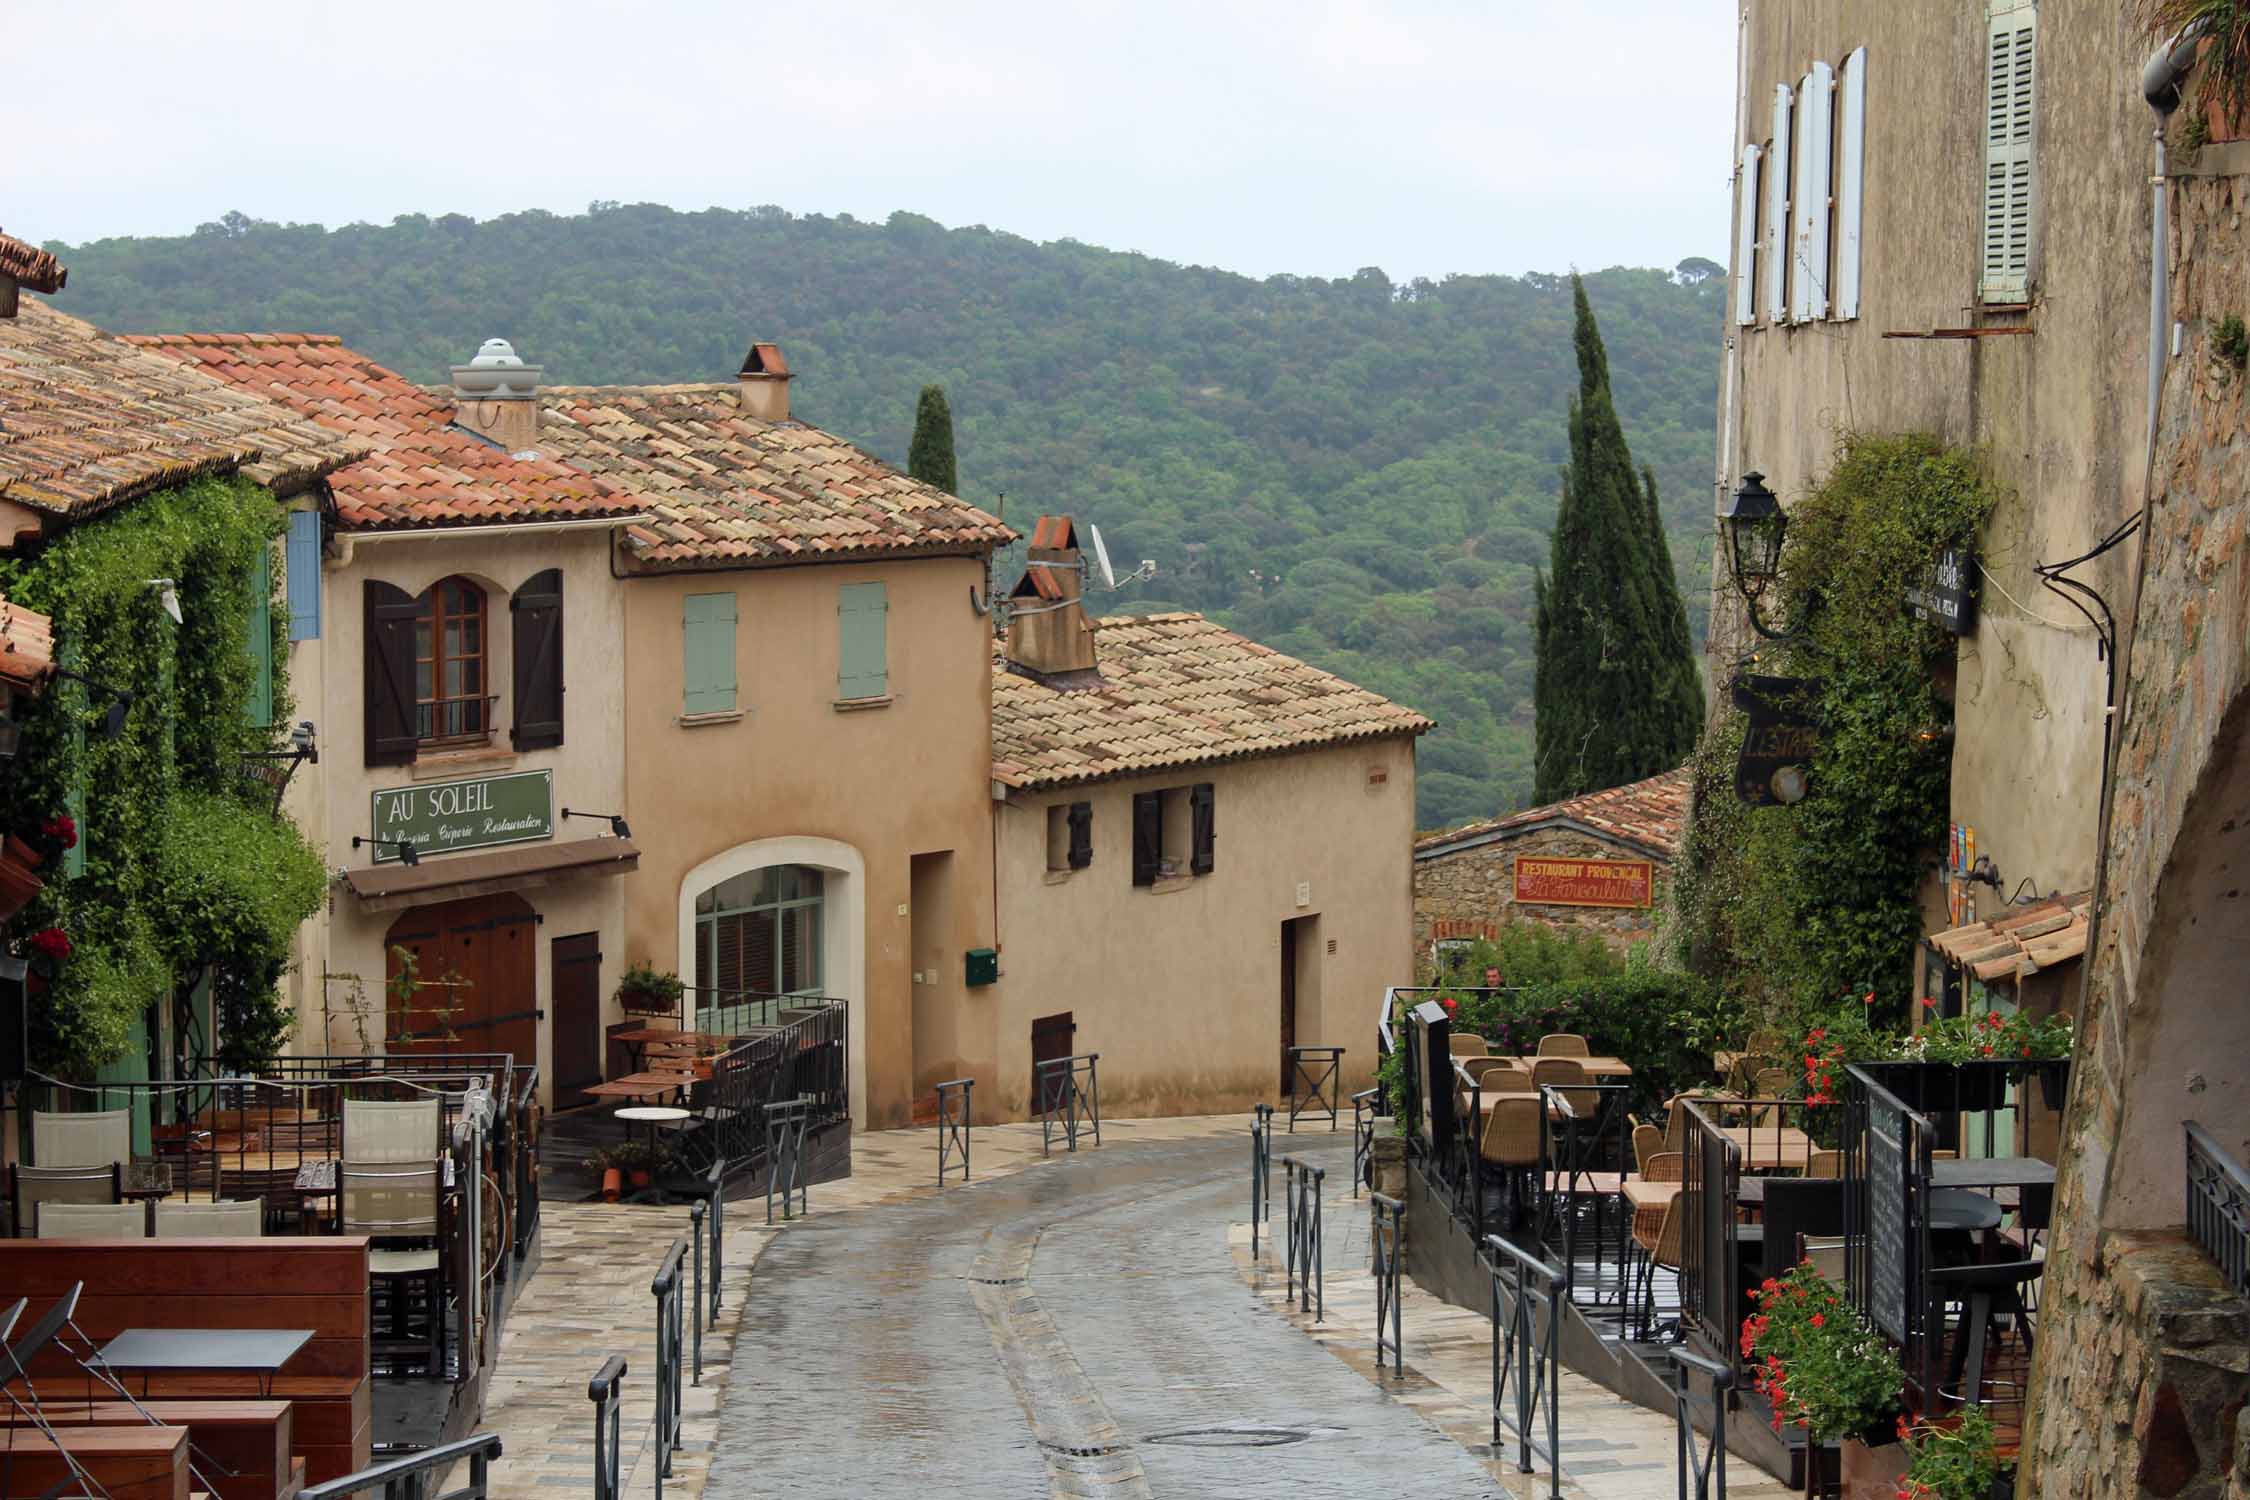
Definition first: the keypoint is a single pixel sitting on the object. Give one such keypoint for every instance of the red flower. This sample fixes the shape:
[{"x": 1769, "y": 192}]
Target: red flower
[
  {"x": 63, "y": 829},
  {"x": 1450, "y": 1004},
  {"x": 53, "y": 942},
  {"x": 1819, "y": 1320},
  {"x": 1870, "y": 1000},
  {"x": 1929, "y": 1002}
]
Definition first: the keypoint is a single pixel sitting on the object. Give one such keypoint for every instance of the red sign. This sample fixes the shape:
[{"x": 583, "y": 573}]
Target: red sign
[{"x": 1622, "y": 883}]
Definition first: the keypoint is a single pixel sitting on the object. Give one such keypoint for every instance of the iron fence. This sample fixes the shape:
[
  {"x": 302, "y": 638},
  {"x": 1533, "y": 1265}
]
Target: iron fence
[
  {"x": 410, "y": 1477},
  {"x": 604, "y": 1390},
  {"x": 1702, "y": 1464},
  {"x": 954, "y": 1107},
  {"x": 1583, "y": 1159},
  {"x": 715, "y": 1227},
  {"x": 696, "y": 1215},
  {"x": 669, "y": 1403},
  {"x": 1527, "y": 1356},
  {"x": 523, "y": 1139},
  {"x": 2218, "y": 1206},
  {"x": 786, "y": 1126},
  {"x": 805, "y": 1057},
  {"x": 1710, "y": 1254},
  {"x": 1261, "y": 1170},
  {"x": 1389, "y": 1253},
  {"x": 1305, "y": 1280},
  {"x": 1069, "y": 1096},
  {"x": 1315, "y": 1084},
  {"x": 1887, "y": 1257},
  {"x": 1364, "y": 1115}
]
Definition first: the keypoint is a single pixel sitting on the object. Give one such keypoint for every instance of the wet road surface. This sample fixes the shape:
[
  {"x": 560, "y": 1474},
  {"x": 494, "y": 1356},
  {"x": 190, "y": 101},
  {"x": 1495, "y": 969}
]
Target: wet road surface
[{"x": 1079, "y": 1330}]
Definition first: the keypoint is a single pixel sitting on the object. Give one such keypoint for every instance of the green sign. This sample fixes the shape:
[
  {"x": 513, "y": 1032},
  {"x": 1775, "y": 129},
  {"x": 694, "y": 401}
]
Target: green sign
[{"x": 518, "y": 808}]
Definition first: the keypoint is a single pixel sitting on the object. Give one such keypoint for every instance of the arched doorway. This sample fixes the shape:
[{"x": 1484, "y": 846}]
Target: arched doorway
[{"x": 474, "y": 985}]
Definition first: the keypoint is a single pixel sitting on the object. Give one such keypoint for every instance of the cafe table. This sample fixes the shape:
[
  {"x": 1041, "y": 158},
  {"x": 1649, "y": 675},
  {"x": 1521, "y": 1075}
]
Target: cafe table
[
  {"x": 1992, "y": 1171},
  {"x": 643, "y": 1086},
  {"x": 1598, "y": 1069},
  {"x": 1766, "y": 1147},
  {"x": 257, "y": 1352}
]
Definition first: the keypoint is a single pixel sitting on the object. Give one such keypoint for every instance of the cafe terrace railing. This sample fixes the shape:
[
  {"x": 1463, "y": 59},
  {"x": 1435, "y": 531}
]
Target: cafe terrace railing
[
  {"x": 1068, "y": 1094},
  {"x": 411, "y": 1477},
  {"x": 2218, "y": 1206},
  {"x": 1583, "y": 1158},
  {"x": 1389, "y": 1261},
  {"x": 673, "y": 1297},
  {"x": 954, "y": 1108},
  {"x": 606, "y": 1391},
  {"x": 1886, "y": 1159},
  {"x": 670, "y": 1297},
  {"x": 1305, "y": 1282},
  {"x": 1366, "y": 1110},
  {"x": 1261, "y": 1171},
  {"x": 1315, "y": 1084},
  {"x": 804, "y": 1058},
  {"x": 1528, "y": 1294},
  {"x": 523, "y": 1155},
  {"x": 787, "y": 1125},
  {"x": 1710, "y": 1255},
  {"x": 1984, "y": 1092},
  {"x": 1702, "y": 1457}
]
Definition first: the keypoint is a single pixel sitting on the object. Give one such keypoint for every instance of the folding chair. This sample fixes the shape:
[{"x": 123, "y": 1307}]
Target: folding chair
[
  {"x": 239, "y": 1219},
  {"x": 395, "y": 1201},
  {"x": 388, "y": 1130},
  {"x": 93, "y": 1221},
  {"x": 93, "y": 1139},
  {"x": 28, "y": 1187}
]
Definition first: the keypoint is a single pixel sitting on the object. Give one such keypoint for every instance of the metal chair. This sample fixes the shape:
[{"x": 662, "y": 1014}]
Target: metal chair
[
  {"x": 1468, "y": 1044},
  {"x": 1564, "y": 1044},
  {"x": 93, "y": 1221},
  {"x": 1660, "y": 1249},
  {"x": 92, "y": 1139},
  {"x": 1983, "y": 1291},
  {"x": 273, "y": 1189},
  {"x": 244, "y": 1219},
  {"x": 400, "y": 1201},
  {"x": 387, "y": 1130},
  {"x": 28, "y": 1187}
]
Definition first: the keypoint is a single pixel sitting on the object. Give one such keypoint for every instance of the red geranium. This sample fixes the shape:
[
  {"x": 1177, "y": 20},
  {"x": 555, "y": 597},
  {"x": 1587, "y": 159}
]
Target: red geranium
[
  {"x": 52, "y": 942},
  {"x": 63, "y": 829}
]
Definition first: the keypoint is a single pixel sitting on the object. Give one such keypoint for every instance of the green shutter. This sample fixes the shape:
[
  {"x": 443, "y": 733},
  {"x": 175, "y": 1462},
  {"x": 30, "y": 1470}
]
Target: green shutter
[
  {"x": 260, "y": 707},
  {"x": 709, "y": 633},
  {"x": 861, "y": 670}
]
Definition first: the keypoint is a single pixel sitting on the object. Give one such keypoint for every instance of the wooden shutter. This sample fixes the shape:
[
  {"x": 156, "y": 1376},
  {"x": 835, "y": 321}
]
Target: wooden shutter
[
  {"x": 861, "y": 668},
  {"x": 1081, "y": 820},
  {"x": 2010, "y": 45},
  {"x": 389, "y": 685},
  {"x": 1776, "y": 246},
  {"x": 1808, "y": 197},
  {"x": 259, "y": 639},
  {"x": 1746, "y": 238},
  {"x": 1851, "y": 166},
  {"x": 537, "y": 615},
  {"x": 1148, "y": 836},
  {"x": 1202, "y": 812},
  {"x": 708, "y": 631},
  {"x": 303, "y": 565}
]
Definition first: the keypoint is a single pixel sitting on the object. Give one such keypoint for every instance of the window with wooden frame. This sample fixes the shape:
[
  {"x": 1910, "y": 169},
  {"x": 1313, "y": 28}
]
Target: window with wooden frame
[
  {"x": 452, "y": 701},
  {"x": 1175, "y": 833}
]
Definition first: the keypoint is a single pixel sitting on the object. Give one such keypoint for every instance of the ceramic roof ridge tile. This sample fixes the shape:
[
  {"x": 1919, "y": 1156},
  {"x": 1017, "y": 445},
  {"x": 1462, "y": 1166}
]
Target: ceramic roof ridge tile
[
  {"x": 1651, "y": 813},
  {"x": 31, "y": 267}
]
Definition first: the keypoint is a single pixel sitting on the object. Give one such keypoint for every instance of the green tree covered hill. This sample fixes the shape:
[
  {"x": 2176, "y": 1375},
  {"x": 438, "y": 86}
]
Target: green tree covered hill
[{"x": 1357, "y": 472}]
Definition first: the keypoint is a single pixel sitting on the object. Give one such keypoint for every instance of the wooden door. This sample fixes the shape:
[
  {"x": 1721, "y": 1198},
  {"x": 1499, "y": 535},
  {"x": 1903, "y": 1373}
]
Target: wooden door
[
  {"x": 1288, "y": 999},
  {"x": 575, "y": 963},
  {"x": 1051, "y": 1037},
  {"x": 475, "y": 979}
]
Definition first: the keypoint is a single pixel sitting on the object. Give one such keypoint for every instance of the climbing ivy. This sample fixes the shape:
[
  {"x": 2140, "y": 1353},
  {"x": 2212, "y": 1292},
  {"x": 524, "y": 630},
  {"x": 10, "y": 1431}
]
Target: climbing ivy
[
  {"x": 186, "y": 869},
  {"x": 1797, "y": 907}
]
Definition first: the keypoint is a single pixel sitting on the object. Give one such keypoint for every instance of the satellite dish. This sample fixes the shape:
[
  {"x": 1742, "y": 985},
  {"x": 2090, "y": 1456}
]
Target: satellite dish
[{"x": 1101, "y": 557}]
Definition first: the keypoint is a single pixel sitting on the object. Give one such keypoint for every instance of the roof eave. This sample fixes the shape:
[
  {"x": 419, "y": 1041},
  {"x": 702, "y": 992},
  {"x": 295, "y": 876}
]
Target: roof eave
[{"x": 1045, "y": 783}]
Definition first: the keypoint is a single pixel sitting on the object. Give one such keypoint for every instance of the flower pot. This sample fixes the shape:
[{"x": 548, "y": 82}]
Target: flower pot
[
  {"x": 613, "y": 1184},
  {"x": 641, "y": 1178},
  {"x": 2054, "y": 1082},
  {"x": 17, "y": 886},
  {"x": 1872, "y": 1471},
  {"x": 23, "y": 854}
]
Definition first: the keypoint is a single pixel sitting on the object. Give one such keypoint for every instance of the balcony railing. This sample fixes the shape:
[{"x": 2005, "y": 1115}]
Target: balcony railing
[{"x": 2218, "y": 1207}]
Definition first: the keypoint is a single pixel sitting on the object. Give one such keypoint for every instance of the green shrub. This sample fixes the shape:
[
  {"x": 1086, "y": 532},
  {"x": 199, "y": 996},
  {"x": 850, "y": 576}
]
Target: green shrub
[{"x": 1662, "y": 1023}]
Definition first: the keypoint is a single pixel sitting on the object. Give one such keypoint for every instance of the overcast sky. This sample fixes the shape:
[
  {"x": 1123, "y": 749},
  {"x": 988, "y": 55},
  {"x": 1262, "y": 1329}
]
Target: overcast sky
[{"x": 1417, "y": 135}]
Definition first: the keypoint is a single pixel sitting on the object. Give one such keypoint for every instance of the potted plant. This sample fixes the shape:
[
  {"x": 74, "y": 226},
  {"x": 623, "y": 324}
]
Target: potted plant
[
  {"x": 645, "y": 990},
  {"x": 1823, "y": 1367},
  {"x": 1956, "y": 1460}
]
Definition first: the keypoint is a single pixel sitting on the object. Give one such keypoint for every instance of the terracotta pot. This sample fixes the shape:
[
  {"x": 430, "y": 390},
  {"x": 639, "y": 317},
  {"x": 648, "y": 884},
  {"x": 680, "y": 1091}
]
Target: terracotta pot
[
  {"x": 23, "y": 854},
  {"x": 17, "y": 886},
  {"x": 1873, "y": 1473},
  {"x": 613, "y": 1184},
  {"x": 641, "y": 1178}
]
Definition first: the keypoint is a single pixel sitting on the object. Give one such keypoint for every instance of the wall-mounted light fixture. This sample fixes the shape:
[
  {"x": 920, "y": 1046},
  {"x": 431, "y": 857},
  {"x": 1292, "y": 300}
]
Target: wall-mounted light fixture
[
  {"x": 616, "y": 821},
  {"x": 120, "y": 701},
  {"x": 168, "y": 595},
  {"x": 1756, "y": 526},
  {"x": 275, "y": 767},
  {"x": 406, "y": 851}
]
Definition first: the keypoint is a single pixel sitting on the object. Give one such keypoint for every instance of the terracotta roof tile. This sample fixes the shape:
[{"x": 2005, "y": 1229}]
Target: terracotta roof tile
[
  {"x": 1650, "y": 815},
  {"x": 88, "y": 421},
  {"x": 2038, "y": 936},
  {"x": 1177, "y": 690},
  {"x": 722, "y": 485},
  {"x": 423, "y": 471},
  {"x": 32, "y": 268},
  {"x": 27, "y": 646}
]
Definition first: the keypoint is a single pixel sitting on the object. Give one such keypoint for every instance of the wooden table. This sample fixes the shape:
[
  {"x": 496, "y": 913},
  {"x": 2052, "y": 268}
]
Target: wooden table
[
  {"x": 1644, "y": 1194},
  {"x": 1598, "y": 1069},
  {"x": 640, "y": 1086},
  {"x": 641, "y": 1038},
  {"x": 1765, "y": 1147}
]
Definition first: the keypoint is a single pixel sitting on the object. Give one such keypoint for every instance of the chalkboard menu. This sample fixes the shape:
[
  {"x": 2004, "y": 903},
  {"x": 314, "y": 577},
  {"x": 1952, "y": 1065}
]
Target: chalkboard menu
[{"x": 1886, "y": 1217}]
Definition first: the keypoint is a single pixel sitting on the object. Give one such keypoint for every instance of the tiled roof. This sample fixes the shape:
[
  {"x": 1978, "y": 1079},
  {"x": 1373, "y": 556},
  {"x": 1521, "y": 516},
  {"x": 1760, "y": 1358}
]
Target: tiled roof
[
  {"x": 2039, "y": 936},
  {"x": 31, "y": 267},
  {"x": 1179, "y": 691},
  {"x": 27, "y": 646},
  {"x": 1649, "y": 815},
  {"x": 87, "y": 421},
  {"x": 724, "y": 487},
  {"x": 422, "y": 471}
]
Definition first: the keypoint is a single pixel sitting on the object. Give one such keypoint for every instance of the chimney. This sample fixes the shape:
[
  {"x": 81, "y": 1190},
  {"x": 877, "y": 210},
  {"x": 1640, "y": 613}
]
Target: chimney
[
  {"x": 1049, "y": 636},
  {"x": 764, "y": 384},
  {"x": 495, "y": 396}
]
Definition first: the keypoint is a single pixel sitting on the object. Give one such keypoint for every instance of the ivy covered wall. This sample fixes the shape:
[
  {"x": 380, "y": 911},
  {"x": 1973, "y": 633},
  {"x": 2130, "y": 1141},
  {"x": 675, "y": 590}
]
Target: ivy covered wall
[{"x": 181, "y": 871}]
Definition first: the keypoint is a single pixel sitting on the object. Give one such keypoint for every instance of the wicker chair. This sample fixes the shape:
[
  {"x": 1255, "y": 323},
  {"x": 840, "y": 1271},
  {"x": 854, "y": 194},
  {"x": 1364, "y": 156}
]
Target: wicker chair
[
  {"x": 93, "y": 1221},
  {"x": 1484, "y": 1066},
  {"x": 29, "y": 1187},
  {"x": 1825, "y": 1164},
  {"x": 1468, "y": 1044},
  {"x": 1648, "y": 1140},
  {"x": 245, "y": 1219},
  {"x": 1660, "y": 1247},
  {"x": 1557, "y": 1072},
  {"x": 1508, "y": 1081},
  {"x": 1509, "y": 1145},
  {"x": 93, "y": 1139},
  {"x": 1564, "y": 1044}
]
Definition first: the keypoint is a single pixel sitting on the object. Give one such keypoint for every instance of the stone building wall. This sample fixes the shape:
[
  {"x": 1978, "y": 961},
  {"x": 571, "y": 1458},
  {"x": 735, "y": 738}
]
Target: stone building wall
[{"x": 1477, "y": 886}]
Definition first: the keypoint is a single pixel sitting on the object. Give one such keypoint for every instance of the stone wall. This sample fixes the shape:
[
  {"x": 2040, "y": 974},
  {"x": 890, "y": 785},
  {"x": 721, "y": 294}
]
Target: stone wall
[{"x": 1477, "y": 886}]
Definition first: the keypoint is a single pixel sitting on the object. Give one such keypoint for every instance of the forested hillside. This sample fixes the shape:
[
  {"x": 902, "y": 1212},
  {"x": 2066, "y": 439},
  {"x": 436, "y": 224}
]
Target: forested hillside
[{"x": 1356, "y": 472}]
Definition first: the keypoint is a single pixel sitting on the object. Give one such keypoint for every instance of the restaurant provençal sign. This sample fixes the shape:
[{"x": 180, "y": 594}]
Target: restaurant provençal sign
[
  {"x": 517, "y": 808},
  {"x": 1621, "y": 883}
]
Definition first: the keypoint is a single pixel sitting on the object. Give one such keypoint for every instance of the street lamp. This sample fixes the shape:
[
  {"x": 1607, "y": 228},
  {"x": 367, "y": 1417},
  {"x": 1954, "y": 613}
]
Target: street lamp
[
  {"x": 1755, "y": 528},
  {"x": 617, "y": 825},
  {"x": 407, "y": 854}
]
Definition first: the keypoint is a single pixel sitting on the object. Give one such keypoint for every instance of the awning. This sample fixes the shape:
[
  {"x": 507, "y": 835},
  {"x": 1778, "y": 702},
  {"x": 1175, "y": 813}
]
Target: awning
[
  {"x": 2020, "y": 944},
  {"x": 450, "y": 877}
]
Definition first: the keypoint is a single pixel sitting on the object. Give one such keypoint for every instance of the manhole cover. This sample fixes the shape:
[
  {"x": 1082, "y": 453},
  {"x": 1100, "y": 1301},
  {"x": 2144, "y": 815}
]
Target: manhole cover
[{"x": 1229, "y": 1437}]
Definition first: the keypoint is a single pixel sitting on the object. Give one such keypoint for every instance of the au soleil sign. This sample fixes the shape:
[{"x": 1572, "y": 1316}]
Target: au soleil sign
[
  {"x": 1620, "y": 883},
  {"x": 478, "y": 813}
]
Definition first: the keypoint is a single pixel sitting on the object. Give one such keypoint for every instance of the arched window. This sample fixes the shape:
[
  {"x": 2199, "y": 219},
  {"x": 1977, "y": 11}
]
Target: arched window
[
  {"x": 452, "y": 700},
  {"x": 759, "y": 933}
]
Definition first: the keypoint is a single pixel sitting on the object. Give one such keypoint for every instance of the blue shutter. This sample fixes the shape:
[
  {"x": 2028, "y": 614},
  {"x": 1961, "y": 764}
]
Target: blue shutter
[
  {"x": 861, "y": 668},
  {"x": 304, "y": 575},
  {"x": 708, "y": 640},
  {"x": 259, "y": 710}
]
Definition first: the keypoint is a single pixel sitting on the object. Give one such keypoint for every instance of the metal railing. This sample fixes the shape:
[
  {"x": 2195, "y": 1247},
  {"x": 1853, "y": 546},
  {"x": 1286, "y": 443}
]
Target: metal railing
[
  {"x": 1261, "y": 1170},
  {"x": 1305, "y": 1280},
  {"x": 410, "y": 1477},
  {"x": 669, "y": 1397},
  {"x": 1887, "y": 1258},
  {"x": 1365, "y": 1112},
  {"x": 523, "y": 1146},
  {"x": 1583, "y": 1159},
  {"x": 786, "y": 1125},
  {"x": 697, "y": 1214},
  {"x": 715, "y": 1227},
  {"x": 805, "y": 1057},
  {"x": 1389, "y": 1255},
  {"x": 609, "y": 1408},
  {"x": 1527, "y": 1356},
  {"x": 953, "y": 1108},
  {"x": 1710, "y": 1254},
  {"x": 2218, "y": 1206},
  {"x": 1068, "y": 1093},
  {"x": 1315, "y": 1084},
  {"x": 1702, "y": 1464}
]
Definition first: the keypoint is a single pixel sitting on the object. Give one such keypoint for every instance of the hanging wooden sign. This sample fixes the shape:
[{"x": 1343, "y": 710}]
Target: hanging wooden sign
[
  {"x": 1778, "y": 745},
  {"x": 1947, "y": 593}
]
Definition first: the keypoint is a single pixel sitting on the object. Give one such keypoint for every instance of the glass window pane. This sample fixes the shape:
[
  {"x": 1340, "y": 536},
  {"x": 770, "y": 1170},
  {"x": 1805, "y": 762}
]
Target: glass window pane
[
  {"x": 759, "y": 960},
  {"x": 800, "y": 949},
  {"x": 769, "y": 881}
]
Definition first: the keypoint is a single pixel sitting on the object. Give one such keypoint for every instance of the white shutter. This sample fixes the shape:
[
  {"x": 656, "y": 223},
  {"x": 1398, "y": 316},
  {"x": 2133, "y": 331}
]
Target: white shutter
[
  {"x": 1775, "y": 249},
  {"x": 2008, "y": 179},
  {"x": 1851, "y": 130},
  {"x": 1808, "y": 219},
  {"x": 1746, "y": 238}
]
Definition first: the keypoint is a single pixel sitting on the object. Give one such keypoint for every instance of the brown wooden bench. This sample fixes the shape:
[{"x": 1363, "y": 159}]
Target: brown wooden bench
[
  {"x": 246, "y": 1441},
  {"x": 132, "y": 1463},
  {"x": 317, "y": 1283}
]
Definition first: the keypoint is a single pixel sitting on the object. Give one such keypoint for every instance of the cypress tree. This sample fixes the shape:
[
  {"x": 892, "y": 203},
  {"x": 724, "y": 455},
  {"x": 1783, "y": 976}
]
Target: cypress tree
[
  {"x": 1617, "y": 695},
  {"x": 930, "y": 457}
]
